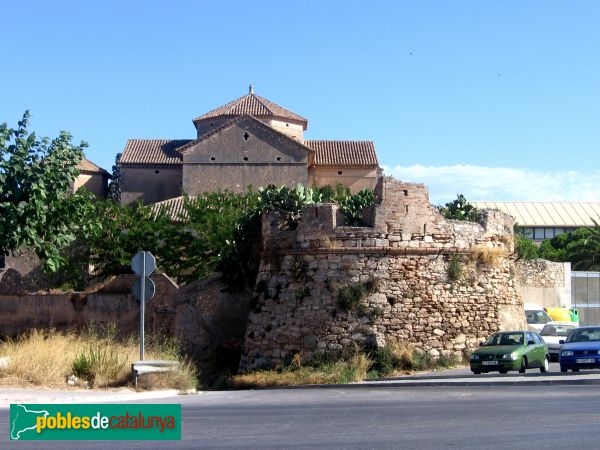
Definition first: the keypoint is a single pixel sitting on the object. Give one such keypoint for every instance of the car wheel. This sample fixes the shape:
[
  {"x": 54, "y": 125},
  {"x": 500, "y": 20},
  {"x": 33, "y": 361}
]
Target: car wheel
[
  {"x": 477, "y": 372},
  {"x": 523, "y": 365},
  {"x": 563, "y": 369},
  {"x": 503, "y": 371},
  {"x": 546, "y": 365},
  {"x": 575, "y": 370}
]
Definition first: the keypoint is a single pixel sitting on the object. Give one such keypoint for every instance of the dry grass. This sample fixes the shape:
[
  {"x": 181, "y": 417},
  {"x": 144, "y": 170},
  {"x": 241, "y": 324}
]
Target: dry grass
[
  {"x": 490, "y": 256},
  {"x": 46, "y": 358},
  {"x": 343, "y": 371}
]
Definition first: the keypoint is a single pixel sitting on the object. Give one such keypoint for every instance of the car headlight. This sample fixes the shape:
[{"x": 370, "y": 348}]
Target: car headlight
[
  {"x": 475, "y": 357},
  {"x": 567, "y": 353},
  {"x": 513, "y": 356}
]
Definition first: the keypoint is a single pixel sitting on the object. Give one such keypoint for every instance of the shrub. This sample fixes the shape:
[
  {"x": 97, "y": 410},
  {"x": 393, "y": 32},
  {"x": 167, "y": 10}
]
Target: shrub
[
  {"x": 299, "y": 268},
  {"x": 350, "y": 296},
  {"x": 455, "y": 268}
]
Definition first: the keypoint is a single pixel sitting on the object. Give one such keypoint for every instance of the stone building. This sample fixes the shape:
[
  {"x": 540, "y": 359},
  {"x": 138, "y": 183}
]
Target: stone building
[
  {"x": 92, "y": 177},
  {"x": 411, "y": 276},
  {"x": 250, "y": 141}
]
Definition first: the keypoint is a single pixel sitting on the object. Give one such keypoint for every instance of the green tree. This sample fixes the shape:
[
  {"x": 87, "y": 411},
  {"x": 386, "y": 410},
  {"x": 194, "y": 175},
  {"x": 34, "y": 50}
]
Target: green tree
[
  {"x": 525, "y": 248},
  {"x": 584, "y": 249},
  {"x": 114, "y": 187},
  {"x": 37, "y": 209}
]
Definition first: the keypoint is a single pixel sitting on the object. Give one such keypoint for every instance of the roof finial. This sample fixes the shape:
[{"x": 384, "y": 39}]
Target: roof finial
[{"x": 251, "y": 89}]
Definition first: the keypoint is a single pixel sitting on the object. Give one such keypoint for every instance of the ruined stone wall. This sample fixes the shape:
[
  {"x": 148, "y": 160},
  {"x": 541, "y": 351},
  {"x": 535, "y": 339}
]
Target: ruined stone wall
[
  {"x": 403, "y": 264},
  {"x": 545, "y": 283},
  {"x": 112, "y": 303}
]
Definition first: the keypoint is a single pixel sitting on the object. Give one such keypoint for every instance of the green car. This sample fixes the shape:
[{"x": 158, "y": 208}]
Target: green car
[{"x": 511, "y": 350}]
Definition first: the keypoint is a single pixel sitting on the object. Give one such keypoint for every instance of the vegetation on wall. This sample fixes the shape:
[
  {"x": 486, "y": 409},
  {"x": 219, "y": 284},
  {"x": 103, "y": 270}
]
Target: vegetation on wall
[
  {"x": 460, "y": 209},
  {"x": 216, "y": 231}
]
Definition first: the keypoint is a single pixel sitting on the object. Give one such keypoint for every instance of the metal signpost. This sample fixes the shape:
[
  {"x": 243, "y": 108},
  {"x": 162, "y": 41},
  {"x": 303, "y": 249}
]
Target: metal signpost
[{"x": 143, "y": 264}]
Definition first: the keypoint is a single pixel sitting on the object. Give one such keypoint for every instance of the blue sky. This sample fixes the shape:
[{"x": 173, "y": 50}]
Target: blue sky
[{"x": 496, "y": 100}]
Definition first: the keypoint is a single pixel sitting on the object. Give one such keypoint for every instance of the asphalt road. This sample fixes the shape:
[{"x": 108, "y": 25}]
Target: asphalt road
[{"x": 501, "y": 417}]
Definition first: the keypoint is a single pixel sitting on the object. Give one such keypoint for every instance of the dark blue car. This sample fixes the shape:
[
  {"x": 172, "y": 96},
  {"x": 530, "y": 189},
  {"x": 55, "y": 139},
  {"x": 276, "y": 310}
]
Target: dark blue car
[{"x": 581, "y": 350}]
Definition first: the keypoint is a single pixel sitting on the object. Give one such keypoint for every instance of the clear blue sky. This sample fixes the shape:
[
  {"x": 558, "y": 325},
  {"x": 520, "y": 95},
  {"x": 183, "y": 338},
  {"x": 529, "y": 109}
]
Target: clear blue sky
[{"x": 498, "y": 100}]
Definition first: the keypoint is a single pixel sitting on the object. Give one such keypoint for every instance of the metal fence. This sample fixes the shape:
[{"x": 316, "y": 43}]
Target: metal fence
[{"x": 585, "y": 296}]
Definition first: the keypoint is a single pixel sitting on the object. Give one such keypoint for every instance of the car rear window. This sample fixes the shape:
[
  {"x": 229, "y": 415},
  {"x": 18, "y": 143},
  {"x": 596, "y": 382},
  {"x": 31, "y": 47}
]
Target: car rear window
[
  {"x": 557, "y": 330},
  {"x": 584, "y": 335}
]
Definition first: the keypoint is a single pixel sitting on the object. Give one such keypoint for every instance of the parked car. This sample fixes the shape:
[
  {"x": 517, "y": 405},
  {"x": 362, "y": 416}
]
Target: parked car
[
  {"x": 536, "y": 317},
  {"x": 553, "y": 333},
  {"x": 581, "y": 350},
  {"x": 510, "y": 350}
]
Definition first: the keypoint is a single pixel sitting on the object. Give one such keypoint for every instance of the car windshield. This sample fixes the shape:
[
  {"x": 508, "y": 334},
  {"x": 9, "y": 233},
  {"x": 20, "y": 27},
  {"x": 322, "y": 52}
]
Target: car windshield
[
  {"x": 584, "y": 335},
  {"x": 557, "y": 330},
  {"x": 505, "y": 339},
  {"x": 537, "y": 317}
]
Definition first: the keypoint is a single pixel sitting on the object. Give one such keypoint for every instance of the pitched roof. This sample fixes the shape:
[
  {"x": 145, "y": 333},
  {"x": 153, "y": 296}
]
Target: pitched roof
[
  {"x": 152, "y": 151},
  {"x": 253, "y": 105},
  {"x": 174, "y": 207},
  {"x": 238, "y": 119},
  {"x": 87, "y": 166},
  {"x": 547, "y": 214},
  {"x": 343, "y": 153}
]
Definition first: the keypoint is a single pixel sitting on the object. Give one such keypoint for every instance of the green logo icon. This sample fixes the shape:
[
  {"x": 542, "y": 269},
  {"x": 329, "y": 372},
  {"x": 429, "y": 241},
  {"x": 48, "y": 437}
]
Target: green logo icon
[{"x": 95, "y": 422}]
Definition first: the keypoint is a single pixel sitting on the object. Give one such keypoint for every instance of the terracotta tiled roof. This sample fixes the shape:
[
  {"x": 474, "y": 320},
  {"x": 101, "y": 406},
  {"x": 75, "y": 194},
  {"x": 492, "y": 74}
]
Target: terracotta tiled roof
[
  {"x": 253, "y": 105},
  {"x": 153, "y": 151},
  {"x": 343, "y": 153},
  {"x": 87, "y": 166},
  {"x": 173, "y": 207}
]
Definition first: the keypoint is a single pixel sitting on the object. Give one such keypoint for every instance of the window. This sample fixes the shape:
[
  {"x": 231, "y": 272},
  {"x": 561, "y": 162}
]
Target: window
[
  {"x": 212, "y": 158},
  {"x": 549, "y": 233},
  {"x": 538, "y": 233},
  {"x": 339, "y": 172},
  {"x": 246, "y": 136},
  {"x": 279, "y": 158},
  {"x": 245, "y": 158},
  {"x": 157, "y": 171},
  {"x": 528, "y": 232}
]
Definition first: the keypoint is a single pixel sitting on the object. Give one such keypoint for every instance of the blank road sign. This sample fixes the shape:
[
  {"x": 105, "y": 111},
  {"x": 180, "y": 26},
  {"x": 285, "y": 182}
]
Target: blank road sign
[
  {"x": 150, "y": 289},
  {"x": 137, "y": 263}
]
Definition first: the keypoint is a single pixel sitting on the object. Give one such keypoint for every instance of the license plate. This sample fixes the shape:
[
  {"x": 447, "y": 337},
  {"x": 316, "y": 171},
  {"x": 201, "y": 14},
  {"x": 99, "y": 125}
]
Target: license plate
[
  {"x": 489, "y": 363},
  {"x": 585, "y": 361},
  {"x": 553, "y": 350}
]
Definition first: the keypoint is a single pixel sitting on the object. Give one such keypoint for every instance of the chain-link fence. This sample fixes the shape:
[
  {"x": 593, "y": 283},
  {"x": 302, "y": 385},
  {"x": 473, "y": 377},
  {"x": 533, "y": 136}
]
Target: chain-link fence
[{"x": 585, "y": 296}]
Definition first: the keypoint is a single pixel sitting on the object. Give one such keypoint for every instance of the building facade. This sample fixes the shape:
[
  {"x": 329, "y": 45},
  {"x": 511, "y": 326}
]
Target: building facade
[
  {"x": 249, "y": 142},
  {"x": 544, "y": 220}
]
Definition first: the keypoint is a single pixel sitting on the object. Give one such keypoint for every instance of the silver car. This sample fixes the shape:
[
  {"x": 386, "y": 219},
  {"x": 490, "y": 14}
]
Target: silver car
[{"x": 552, "y": 333}]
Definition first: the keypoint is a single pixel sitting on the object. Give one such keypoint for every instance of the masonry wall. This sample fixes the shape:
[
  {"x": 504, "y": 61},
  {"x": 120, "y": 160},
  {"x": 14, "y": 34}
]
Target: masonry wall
[
  {"x": 545, "y": 283},
  {"x": 150, "y": 184},
  {"x": 355, "y": 178},
  {"x": 403, "y": 262},
  {"x": 113, "y": 303},
  {"x": 96, "y": 183},
  {"x": 248, "y": 153}
]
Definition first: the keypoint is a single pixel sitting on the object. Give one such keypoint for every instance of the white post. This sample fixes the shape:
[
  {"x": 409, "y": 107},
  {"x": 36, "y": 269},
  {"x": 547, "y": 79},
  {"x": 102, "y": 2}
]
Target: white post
[{"x": 142, "y": 304}]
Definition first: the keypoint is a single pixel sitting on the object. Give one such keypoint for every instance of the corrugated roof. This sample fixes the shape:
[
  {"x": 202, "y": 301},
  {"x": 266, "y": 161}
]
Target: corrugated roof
[
  {"x": 87, "y": 166},
  {"x": 253, "y": 105},
  {"x": 547, "y": 214},
  {"x": 343, "y": 153},
  {"x": 174, "y": 207},
  {"x": 153, "y": 151}
]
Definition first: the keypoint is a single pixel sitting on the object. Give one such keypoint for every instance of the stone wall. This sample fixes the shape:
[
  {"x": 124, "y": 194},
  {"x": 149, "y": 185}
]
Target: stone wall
[
  {"x": 402, "y": 265},
  {"x": 112, "y": 303},
  {"x": 211, "y": 323},
  {"x": 545, "y": 283}
]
